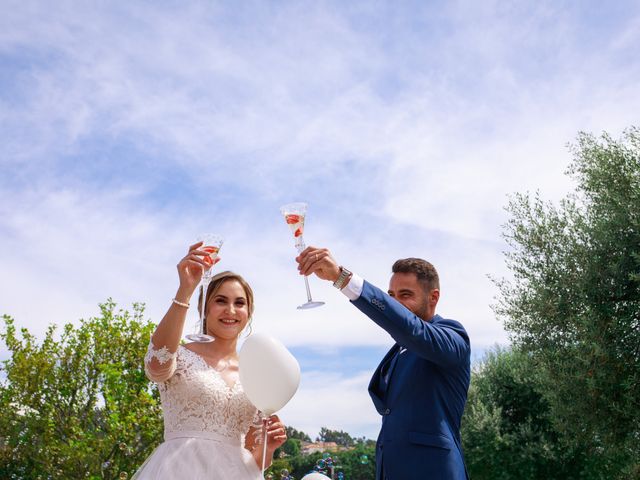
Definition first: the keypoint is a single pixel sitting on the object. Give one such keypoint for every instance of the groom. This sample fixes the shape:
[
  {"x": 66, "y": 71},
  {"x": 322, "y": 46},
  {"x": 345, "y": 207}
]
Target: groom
[{"x": 420, "y": 387}]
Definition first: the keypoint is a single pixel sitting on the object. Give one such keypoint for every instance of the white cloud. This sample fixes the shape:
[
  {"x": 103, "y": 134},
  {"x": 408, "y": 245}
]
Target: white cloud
[
  {"x": 72, "y": 249},
  {"x": 69, "y": 249},
  {"x": 179, "y": 79},
  {"x": 406, "y": 129},
  {"x": 327, "y": 399}
]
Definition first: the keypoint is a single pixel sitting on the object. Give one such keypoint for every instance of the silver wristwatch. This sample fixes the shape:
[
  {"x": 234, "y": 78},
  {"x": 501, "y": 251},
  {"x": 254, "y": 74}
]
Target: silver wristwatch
[{"x": 342, "y": 279}]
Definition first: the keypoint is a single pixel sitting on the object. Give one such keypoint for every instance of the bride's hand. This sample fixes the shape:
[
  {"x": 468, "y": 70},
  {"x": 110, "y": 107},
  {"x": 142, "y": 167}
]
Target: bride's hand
[
  {"x": 192, "y": 266},
  {"x": 276, "y": 433}
]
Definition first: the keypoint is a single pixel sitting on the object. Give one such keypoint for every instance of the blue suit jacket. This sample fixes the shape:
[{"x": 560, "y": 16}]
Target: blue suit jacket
[{"x": 420, "y": 389}]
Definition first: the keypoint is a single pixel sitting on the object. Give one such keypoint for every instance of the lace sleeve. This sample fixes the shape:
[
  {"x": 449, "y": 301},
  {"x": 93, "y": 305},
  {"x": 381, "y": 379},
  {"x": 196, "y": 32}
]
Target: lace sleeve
[{"x": 159, "y": 363}]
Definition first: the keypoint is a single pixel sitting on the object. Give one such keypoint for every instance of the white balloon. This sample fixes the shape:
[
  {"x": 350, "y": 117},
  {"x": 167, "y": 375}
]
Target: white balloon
[
  {"x": 315, "y": 476},
  {"x": 269, "y": 373}
]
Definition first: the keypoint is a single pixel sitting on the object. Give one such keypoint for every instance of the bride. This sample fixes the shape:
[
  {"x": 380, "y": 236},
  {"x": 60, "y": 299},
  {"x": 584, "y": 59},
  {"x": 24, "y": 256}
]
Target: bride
[{"x": 208, "y": 420}]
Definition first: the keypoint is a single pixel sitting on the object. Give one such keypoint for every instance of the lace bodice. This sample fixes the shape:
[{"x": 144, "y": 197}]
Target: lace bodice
[{"x": 196, "y": 398}]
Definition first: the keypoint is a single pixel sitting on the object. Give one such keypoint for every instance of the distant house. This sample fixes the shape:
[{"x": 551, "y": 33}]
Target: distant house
[{"x": 308, "y": 448}]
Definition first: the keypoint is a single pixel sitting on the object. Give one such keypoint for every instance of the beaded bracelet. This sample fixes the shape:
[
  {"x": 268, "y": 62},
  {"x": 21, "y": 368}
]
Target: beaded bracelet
[{"x": 182, "y": 304}]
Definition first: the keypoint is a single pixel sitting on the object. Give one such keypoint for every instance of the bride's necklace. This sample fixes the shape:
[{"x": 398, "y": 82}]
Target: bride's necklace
[{"x": 222, "y": 365}]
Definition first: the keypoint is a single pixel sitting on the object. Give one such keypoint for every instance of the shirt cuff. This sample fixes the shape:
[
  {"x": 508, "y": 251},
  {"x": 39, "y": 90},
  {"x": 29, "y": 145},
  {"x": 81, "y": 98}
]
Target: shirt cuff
[{"x": 353, "y": 289}]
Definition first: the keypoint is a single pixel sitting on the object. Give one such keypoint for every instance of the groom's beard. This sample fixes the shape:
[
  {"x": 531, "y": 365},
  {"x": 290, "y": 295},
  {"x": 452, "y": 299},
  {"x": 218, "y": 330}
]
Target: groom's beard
[{"x": 422, "y": 311}]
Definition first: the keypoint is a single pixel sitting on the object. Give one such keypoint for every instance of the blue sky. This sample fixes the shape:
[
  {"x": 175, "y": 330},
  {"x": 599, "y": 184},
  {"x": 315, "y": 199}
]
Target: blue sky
[{"x": 127, "y": 128}]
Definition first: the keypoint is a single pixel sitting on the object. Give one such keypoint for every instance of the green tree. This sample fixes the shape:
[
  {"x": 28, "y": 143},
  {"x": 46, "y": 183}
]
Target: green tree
[
  {"x": 79, "y": 406},
  {"x": 507, "y": 429},
  {"x": 277, "y": 468},
  {"x": 303, "y": 464},
  {"x": 293, "y": 433},
  {"x": 356, "y": 463},
  {"x": 290, "y": 448},
  {"x": 574, "y": 300},
  {"x": 367, "y": 442},
  {"x": 337, "y": 436}
]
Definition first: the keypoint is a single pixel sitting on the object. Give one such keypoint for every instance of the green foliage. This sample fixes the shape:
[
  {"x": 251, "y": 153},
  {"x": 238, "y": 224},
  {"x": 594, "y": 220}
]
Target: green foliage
[
  {"x": 79, "y": 406},
  {"x": 574, "y": 301},
  {"x": 507, "y": 428},
  {"x": 337, "y": 436},
  {"x": 303, "y": 464},
  {"x": 276, "y": 470},
  {"x": 357, "y": 463},
  {"x": 293, "y": 433},
  {"x": 291, "y": 448},
  {"x": 356, "y": 460}
]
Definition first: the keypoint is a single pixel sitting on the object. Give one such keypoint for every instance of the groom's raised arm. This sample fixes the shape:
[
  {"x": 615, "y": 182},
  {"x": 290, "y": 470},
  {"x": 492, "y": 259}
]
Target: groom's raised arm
[{"x": 444, "y": 342}]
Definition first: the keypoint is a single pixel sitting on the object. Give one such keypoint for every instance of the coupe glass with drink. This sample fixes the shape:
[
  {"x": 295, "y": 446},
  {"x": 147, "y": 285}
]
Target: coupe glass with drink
[
  {"x": 211, "y": 243},
  {"x": 294, "y": 215}
]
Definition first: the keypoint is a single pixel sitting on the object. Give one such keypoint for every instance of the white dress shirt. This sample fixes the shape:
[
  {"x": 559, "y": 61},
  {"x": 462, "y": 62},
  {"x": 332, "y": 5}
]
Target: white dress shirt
[{"x": 353, "y": 289}]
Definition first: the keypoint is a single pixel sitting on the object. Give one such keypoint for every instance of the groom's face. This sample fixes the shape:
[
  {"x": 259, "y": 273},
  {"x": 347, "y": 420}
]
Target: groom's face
[{"x": 407, "y": 289}]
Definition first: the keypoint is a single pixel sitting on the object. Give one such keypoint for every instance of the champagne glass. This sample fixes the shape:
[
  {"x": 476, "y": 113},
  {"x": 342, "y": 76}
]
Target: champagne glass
[
  {"x": 211, "y": 243},
  {"x": 294, "y": 215}
]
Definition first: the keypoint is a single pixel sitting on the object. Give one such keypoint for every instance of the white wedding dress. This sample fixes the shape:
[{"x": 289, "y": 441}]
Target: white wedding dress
[{"x": 205, "y": 421}]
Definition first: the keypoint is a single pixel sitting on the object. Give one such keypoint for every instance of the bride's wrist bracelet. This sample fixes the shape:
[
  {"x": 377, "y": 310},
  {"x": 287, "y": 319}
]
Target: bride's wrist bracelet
[{"x": 179, "y": 303}]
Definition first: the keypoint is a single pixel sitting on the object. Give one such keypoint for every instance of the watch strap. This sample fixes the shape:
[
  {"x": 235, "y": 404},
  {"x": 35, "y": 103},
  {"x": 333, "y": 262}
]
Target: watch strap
[{"x": 342, "y": 278}]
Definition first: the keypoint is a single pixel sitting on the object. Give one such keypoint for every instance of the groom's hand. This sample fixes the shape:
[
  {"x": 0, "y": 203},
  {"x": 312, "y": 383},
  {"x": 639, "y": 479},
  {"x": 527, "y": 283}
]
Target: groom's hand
[{"x": 318, "y": 261}]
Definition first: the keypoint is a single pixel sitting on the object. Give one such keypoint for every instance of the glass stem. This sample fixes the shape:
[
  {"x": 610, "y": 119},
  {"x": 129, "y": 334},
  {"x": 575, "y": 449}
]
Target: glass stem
[
  {"x": 306, "y": 284},
  {"x": 203, "y": 292},
  {"x": 301, "y": 246}
]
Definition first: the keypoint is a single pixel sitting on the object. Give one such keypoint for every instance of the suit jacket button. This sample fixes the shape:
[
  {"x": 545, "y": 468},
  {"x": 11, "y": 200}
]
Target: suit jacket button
[{"x": 387, "y": 411}]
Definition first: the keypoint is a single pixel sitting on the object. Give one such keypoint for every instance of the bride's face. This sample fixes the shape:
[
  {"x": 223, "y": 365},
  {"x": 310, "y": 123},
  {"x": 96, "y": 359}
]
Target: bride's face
[{"x": 227, "y": 311}]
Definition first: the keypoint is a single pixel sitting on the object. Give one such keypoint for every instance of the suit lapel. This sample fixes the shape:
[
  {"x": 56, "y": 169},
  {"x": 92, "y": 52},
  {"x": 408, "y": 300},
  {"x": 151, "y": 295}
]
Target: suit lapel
[
  {"x": 382, "y": 376},
  {"x": 388, "y": 371}
]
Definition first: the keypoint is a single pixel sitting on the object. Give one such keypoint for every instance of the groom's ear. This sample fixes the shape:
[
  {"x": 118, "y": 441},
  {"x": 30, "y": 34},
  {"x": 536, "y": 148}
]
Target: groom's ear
[{"x": 434, "y": 296}]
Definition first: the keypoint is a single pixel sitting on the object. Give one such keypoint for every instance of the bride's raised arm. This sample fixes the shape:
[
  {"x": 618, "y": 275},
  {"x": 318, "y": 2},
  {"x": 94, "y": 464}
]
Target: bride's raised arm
[{"x": 159, "y": 362}]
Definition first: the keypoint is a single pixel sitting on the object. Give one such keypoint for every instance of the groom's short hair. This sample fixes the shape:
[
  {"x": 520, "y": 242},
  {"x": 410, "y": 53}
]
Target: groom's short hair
[{"x": 423, "y": 270}]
